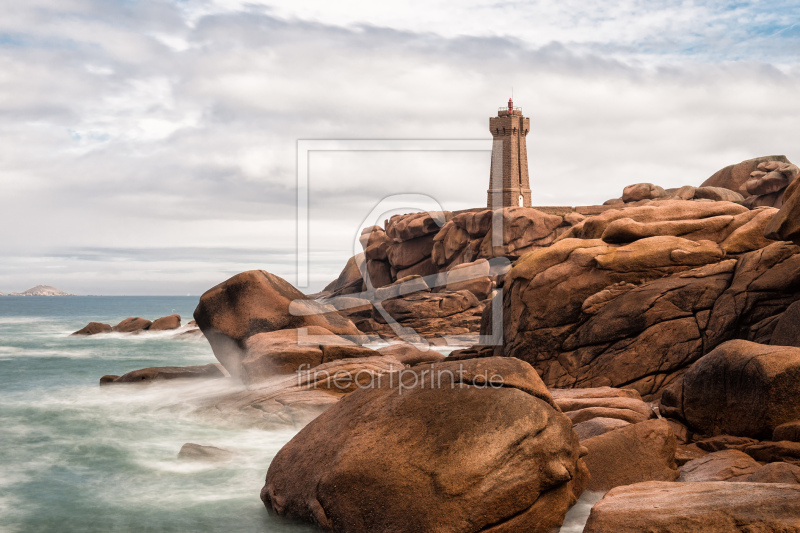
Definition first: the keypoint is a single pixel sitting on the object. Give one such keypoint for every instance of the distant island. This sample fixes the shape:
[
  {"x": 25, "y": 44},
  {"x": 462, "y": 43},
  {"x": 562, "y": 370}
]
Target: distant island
[{"x": 41, "y": 290}]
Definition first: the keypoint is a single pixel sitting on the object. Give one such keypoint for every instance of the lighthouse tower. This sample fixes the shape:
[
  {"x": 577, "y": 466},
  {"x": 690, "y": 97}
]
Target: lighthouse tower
[{"x": 508, "y": 176}]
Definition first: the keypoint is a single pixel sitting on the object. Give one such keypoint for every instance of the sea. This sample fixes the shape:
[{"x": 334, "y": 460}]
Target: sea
[{"x": 78, "y": 457}]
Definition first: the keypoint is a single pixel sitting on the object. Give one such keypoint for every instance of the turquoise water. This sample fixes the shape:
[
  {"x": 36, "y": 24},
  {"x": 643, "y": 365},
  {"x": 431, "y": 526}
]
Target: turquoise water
[{"x": 79, "y": 458}]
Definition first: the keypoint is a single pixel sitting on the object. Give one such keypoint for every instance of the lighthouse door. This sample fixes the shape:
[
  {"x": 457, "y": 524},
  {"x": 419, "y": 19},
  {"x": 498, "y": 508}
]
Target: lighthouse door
[{"x": 520, "y": 200}]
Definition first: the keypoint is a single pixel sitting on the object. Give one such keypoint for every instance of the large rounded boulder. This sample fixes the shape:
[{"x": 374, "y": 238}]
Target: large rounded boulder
[
  {"x": 166, "y": 323},
  {"x": 456, "y": 446},
  {"x": 256, "y": 302},
  {"x": 740, "y": 388}
]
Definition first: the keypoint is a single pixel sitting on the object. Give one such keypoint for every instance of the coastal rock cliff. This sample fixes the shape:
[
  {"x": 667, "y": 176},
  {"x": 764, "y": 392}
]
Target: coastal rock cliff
[
  {"x": 648, "y": 347},
  {"x": 632, "y": 297}
]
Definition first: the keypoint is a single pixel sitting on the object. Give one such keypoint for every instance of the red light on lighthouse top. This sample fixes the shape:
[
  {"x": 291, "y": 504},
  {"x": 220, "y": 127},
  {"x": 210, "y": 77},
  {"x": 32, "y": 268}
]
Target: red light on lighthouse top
[{"x": 510, "y": 106}]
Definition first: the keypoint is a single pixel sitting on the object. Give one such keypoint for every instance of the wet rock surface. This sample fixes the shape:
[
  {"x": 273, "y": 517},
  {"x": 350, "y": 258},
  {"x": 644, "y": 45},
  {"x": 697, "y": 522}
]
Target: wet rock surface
[
  {"x": 199, "y": 452},
  {"x": 93, "y": 328},
  {"x": 297, "y": 399},
  {"x": 166, "y": 323},
  {"x": 159, "y": 373},
  {"x": 134, "y": 325}
]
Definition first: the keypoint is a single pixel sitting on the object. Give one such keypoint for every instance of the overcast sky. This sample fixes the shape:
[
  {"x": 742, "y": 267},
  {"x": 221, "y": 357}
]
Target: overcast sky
[{"x": 150, "y": 147}]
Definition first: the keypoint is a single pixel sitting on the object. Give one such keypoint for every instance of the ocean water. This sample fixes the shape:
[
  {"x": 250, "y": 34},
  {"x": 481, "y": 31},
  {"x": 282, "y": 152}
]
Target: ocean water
[{"x": 77, "y": 457}]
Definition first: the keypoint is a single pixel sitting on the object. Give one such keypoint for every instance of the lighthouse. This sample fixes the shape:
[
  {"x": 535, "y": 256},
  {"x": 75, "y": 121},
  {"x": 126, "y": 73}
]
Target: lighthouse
[{"x": 508, "y": 175}]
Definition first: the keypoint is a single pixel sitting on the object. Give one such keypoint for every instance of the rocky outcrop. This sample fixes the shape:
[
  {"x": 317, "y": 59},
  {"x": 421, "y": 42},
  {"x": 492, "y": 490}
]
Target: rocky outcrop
[
  {"x": 774, "y": 452},
  {"x": 717, "y": 194},
  {"x": 350, "y": 280},
  {"x": 472, "y": 235},
  {"x": 724, "y": 442},
  {"x": 632, "y": 297},
  {"x": 597, "y": 426},
  {"x": 788, "y": 431},
  {"x": 93, "y": 328},
  {"x": 719, "y": 466},
  {"x": 696, "y": 221},
  {"x": 688, "y": 452},
  {"x": 448, "y": 259},
  {"x": 410, "y": 355},
  {"x": 450, "y": 249},
  {"x": 646, "y": 193},
  {"x": 733, "y": 177},
  {"x": 474, "y": 277},
  {"x": 429, "y": 305},
  {"x": 402, "y": 228},
  {"x": 752, "y": 183},
  {"x": 198, "y": 452},
  {"x": 415, "y": 309},
  {"x": 295, "y": 400},
  {"x": 762, "y": 181},
  {"x": 403, "y": 249},
  {"x": 158, "y": 373},
  {"x": 720, "y": 507},
  {"x": 286, "y": 351},
  {"x": 642, "y": 243},
  {"x": 787, "y": 327},
  {"x": 108, "y": 379},
  {"x": 257, "y": 302},
  {"x": 634, "y": 453},
  {"x": 785, "y": 226},
  {"x": 436, "y": 467},
  {"x": 769, "y": 184},
  {"x": 741, "y": 388},
  {"x": 773, "y": 473},
  {"x": 166, "y": 323},
  {"x": 189, "y": 333},
  {"x": 642, "y": 191},
  {"x": 132, "y": 325},
  {"x": 584, "y": 404}
]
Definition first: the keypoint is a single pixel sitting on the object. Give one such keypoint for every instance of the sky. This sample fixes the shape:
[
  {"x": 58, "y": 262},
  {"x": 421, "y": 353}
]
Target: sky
[{"x": 151, "y": 147}]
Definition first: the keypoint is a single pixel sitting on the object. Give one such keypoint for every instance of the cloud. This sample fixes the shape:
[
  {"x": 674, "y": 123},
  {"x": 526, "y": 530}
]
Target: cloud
[{"x": 171, "y": 128}]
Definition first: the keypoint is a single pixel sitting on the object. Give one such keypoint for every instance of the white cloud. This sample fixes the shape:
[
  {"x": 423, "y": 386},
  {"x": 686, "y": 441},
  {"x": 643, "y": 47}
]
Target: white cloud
[{"x": 154, "y": 127}]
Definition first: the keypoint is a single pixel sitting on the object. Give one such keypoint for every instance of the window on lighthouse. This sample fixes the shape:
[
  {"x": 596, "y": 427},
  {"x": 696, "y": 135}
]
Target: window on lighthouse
[{"x": 520, "y": 200}]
